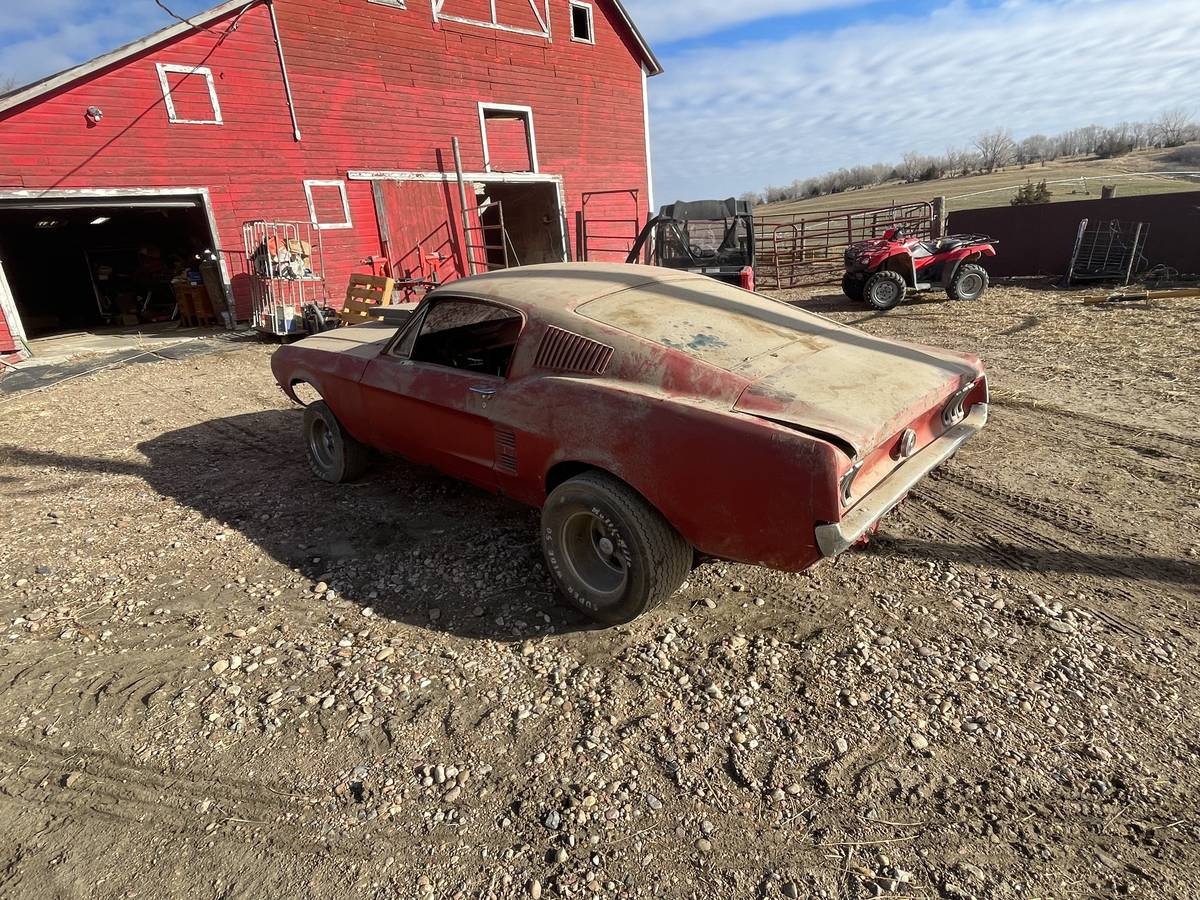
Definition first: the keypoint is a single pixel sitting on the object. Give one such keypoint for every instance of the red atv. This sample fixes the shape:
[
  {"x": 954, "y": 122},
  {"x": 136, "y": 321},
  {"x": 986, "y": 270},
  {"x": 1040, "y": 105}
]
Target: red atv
[{"x": 882, "y": 271}]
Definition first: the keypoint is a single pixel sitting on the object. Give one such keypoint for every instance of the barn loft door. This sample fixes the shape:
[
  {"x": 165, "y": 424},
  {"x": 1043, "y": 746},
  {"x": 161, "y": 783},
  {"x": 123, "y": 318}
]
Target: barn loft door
[
  {"x": 418, "y": 230},
  {"x": 530, "y": 17},
  {"x": 509, "y": 145}
]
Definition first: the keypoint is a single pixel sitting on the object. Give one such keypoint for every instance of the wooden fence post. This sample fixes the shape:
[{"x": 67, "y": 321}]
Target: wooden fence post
[{"x": 939, "y": 217}]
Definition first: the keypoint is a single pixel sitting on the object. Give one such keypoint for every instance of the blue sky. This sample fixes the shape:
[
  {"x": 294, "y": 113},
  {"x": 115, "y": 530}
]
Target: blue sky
[{"x": 762, "y": 92}]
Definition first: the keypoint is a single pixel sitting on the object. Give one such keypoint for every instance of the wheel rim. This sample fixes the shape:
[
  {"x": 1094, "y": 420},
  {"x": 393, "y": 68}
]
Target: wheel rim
[
  {"x": 589, "y": 548},
  {"x": 321, "y": 442},
  {"x": 886, "y": 292},
  {"x": 970, "y": 285}
]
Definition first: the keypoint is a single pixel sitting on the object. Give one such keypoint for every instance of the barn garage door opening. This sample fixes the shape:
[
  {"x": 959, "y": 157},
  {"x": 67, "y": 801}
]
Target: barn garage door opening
[
  {"x": 509, "y": 223},
  {"x": 92, "y": 264},
  {"x": 533, "y": 221}
]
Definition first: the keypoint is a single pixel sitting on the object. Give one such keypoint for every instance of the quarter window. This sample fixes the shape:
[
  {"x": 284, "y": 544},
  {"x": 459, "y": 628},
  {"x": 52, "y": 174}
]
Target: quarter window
[{"x": 464, "y": 334}]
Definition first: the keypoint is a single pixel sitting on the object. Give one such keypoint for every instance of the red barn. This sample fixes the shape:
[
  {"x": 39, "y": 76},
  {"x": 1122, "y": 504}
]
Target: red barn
[{"x": 116, "y": 176}]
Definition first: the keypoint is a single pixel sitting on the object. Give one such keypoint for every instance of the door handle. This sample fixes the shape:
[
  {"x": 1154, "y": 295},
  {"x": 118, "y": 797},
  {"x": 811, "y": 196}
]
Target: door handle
[{"x": 483, "y": 392}]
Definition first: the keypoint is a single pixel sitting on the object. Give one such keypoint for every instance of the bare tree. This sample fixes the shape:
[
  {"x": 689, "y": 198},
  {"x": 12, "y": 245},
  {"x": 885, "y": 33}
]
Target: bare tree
[
  {"x": 1172, "y": 127},
  {"x": 996, "y": 148},
  {"x": 8, "y": 83}
]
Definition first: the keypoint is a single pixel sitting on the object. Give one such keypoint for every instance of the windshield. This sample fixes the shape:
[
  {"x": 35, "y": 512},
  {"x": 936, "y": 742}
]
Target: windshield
[{"x": 720, "y": 241}]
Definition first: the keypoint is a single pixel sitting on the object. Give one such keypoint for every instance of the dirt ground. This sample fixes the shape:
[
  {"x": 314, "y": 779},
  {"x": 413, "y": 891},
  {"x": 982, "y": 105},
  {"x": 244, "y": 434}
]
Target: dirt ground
[{"x": 222, "y": 679}]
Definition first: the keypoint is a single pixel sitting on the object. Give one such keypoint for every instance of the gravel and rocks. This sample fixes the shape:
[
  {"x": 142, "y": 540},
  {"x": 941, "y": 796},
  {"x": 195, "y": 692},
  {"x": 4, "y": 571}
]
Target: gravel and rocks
[{"x": 225, "y": 679}]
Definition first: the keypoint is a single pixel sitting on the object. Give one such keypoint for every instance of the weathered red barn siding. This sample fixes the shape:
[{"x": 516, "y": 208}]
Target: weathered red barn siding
[{"x": 376, "y": 88}]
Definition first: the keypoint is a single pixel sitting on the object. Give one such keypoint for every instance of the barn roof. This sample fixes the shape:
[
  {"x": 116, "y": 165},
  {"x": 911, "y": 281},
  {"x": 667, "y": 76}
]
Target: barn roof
[{"x": 45, "y": 85}]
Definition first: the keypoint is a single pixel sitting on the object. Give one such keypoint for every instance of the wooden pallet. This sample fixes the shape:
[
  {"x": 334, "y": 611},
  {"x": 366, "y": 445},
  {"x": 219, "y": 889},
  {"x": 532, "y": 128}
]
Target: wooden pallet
[{"x": 364, "y": 293}]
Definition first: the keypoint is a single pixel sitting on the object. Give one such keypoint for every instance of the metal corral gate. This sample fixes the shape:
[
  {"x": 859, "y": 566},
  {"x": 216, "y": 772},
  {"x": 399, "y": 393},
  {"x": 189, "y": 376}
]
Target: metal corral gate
[
  {"x": 1108, "y": 251},
  {"x": 801, "y": 248}
]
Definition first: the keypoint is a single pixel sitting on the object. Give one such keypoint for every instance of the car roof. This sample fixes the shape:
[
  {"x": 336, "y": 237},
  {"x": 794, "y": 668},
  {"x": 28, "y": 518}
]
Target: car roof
[{"x": 558, "y": 288}]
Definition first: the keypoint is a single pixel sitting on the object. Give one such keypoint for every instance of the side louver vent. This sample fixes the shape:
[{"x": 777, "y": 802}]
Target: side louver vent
[
  {"x": 565, "y": 351},
  {"x": 506, "y": 451}
]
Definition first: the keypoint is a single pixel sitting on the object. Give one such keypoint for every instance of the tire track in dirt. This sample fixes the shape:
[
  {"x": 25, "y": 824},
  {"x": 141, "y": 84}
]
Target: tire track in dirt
[
  {"x": 93, "y": 784},
  {"x": 1123, "y": 432}
]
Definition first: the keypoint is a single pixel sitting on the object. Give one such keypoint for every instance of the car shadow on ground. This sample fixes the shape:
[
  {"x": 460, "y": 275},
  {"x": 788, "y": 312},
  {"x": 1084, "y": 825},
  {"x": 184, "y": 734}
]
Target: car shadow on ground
[{"x": 411, "y": 544}]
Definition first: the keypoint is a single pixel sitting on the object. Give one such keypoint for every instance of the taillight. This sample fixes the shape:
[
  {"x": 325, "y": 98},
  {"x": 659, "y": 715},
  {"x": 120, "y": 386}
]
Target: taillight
[
  {"x": 847, "y": 485},
  {"x": 746, "y": 279},
  {"x": 954, "y": 411}
]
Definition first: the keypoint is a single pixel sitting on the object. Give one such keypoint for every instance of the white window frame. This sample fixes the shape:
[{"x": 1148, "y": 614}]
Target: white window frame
[
  {"x": 165, "y": 69},
  {"x": 541, "y": 14},
  {"x": 526, "y": 112},
  {"x": 312, "y": 206},
  {"x": 394, "y": 4},
  {"x": 591, "y": 16}
]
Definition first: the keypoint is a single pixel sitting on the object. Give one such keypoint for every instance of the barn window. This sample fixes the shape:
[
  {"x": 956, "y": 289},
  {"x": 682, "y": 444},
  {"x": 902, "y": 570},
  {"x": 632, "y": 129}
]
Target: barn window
[
  {"x": 509, "y": 141},
  {"x": 328, "y": 206},
  {"x": 581, "y": 23},
  {"x": 190, "y": 94}
]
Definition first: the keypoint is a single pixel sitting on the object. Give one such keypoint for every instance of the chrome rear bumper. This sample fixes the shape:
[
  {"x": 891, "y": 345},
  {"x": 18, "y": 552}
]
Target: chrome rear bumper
[{"x": 887, "y": 495}]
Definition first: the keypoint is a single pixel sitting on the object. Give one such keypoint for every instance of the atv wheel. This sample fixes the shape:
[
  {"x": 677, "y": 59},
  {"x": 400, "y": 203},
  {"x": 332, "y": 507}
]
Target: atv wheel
[
  {"x": 852, "y": 287},
  {"x": 885, "y": 290},
  {"x": 611, "y": 553},
  {"x": 970, "y": 281},
  {"x": 333, "y": 455}
]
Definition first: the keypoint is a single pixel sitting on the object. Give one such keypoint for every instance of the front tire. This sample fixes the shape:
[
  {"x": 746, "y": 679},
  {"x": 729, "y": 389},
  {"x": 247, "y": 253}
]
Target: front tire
[
  {"x": 333, "y": 455},
  {"x": 852, "y": 287},
  {"x": 970, "y": 281},
  {"x": 611, "y": 554},
  {"x": 885, "y": 290}
]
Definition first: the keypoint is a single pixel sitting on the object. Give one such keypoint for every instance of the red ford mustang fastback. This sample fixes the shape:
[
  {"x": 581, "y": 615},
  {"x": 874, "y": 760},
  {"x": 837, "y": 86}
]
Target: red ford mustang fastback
[{"x": 652, "y": 414}]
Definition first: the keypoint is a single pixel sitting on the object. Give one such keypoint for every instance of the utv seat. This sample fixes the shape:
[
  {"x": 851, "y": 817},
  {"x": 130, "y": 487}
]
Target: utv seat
[{"x": 947, "y": 245}]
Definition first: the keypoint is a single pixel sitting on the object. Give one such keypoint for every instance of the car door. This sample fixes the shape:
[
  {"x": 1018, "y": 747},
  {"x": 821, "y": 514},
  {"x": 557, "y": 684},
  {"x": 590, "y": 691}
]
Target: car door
[{"x": 428, "y": 397}]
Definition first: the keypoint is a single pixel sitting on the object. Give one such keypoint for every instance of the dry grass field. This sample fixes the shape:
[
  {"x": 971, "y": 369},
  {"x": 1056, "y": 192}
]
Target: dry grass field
[{"x": 1097, "y": 171}]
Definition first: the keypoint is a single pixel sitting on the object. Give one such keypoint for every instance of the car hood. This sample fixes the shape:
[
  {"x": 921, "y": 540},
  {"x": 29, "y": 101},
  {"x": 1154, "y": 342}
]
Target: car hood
[{"x": 854, "y": 389}]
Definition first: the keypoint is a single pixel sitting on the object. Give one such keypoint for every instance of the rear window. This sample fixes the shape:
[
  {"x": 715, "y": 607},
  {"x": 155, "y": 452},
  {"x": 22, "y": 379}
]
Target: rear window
[{"x": 708, "y": 320}]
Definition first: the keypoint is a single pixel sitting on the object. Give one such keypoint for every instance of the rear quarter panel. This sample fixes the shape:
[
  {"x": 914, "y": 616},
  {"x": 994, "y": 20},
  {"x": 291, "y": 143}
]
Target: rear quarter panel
[{"x": 734, "y": 487}]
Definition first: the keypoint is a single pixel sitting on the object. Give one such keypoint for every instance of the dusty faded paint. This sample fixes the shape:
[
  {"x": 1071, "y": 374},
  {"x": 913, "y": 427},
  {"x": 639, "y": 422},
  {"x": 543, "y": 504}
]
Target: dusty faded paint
[{"x": 736, "y": 477}]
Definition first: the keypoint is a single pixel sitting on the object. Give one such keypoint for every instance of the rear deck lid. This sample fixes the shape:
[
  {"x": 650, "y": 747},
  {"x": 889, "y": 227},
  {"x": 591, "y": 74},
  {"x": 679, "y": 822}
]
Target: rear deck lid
[
  {"x": 858, "y": 389},
  {"x": 804, "y": 370}
]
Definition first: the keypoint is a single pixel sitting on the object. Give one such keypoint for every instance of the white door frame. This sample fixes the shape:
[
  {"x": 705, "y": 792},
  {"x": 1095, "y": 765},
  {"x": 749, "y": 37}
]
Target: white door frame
[
  {"x": 8, "y": 309},
  {"x": 493, "y": 177},
  {"x": 83, "y": 195}
]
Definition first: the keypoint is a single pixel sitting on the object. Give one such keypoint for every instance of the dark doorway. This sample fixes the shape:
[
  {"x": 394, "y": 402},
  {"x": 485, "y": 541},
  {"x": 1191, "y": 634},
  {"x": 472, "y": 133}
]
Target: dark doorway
[
  {"x": 100, "y": 263},
  {"x": 532, "y": 219}
]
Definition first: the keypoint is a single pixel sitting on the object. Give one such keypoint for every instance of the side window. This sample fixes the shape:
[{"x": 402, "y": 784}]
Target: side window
[{"x": 467, "y": 335}]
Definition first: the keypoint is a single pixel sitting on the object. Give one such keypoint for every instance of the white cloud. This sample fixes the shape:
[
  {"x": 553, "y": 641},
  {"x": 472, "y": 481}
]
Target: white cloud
[
  {"x": 39, "y": 38},
  {"x": 805, "y": 104},
  {"x": 664, "y": 21}
]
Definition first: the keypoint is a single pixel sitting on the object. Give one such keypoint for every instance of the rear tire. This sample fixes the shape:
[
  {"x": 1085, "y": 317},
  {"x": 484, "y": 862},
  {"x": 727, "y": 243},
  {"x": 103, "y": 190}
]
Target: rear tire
[
  {"x": 611, "y": 554},
  {"x": 852, "y": 287},
  {"x": 333, "y": 455},
  {"x": 885, "y": 290},
  {"x": 970, "y": 281}
]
